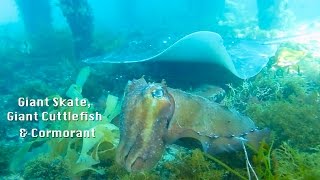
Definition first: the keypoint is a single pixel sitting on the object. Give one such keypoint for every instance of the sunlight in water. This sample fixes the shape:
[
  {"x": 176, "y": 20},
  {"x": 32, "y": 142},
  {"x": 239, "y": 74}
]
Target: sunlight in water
[
  {"x": 8, "y": 11},
  {"x": 313, "y": 37}
]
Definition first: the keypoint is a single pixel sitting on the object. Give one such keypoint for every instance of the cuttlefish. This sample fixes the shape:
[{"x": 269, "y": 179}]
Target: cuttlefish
[{"x": 154, "y": 116}]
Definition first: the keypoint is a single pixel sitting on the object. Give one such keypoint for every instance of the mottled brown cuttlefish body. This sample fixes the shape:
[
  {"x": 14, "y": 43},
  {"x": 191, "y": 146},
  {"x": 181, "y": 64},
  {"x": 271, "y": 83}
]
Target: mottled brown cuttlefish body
[{"x": 154, "y": 116}]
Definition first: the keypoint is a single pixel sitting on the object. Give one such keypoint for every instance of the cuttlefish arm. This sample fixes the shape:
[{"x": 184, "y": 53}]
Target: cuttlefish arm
[{"x": 154, "y": 115}]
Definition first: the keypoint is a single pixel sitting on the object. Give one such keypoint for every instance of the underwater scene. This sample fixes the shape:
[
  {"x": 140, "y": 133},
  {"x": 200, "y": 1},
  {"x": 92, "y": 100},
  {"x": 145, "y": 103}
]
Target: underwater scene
[{"x": 160, "y": 89}]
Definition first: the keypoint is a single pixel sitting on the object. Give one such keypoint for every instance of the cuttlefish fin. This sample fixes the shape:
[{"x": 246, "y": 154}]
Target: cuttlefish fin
[
  {"x": 218, "y": 144},
  {"x": 228, "y": 144},
  {"x": 256, "y": 138}
]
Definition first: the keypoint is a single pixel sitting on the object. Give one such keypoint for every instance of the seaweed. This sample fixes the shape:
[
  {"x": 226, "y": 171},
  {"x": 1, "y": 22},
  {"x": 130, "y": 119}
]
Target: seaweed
[
  {"x": 296, "y": 119},
  {"x": 294, "y": 164},
  {"x": 263, "y": 162},
  {"x": 115, "y": 171},
  {"x": 198, "y": 165},
  {"x": 46, "y": 168},
  {"x": 5, "y": 154},
  {"x": 286, "y": 99},
  {"x": 286, "y": 103},
  {"x": 81, "y": 155}
]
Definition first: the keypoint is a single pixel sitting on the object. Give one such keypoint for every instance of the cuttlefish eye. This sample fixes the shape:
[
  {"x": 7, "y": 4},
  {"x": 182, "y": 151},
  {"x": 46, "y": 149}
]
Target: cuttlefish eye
[{"x": 157, "y": 93}]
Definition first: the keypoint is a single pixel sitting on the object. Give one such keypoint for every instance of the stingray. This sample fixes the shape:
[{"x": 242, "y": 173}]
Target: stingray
[{"x": 243, "y": 58}]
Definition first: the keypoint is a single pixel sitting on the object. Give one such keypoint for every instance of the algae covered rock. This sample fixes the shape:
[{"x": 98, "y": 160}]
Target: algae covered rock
[{"x": 45, "y": 168}]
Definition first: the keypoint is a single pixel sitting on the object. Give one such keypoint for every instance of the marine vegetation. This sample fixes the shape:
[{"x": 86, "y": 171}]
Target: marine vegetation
[
  {"x": 5, "y": 154},
  {"x": 194, "y": 165},
  {"x": 285, "y": 97},
  {"x": 286, "y": 101},
  {"x": 296, "y": 120},
  {"x": 45, "y": 168},
  {"x": 294, "y": 164},
  {"x": 81, "y": 155}
]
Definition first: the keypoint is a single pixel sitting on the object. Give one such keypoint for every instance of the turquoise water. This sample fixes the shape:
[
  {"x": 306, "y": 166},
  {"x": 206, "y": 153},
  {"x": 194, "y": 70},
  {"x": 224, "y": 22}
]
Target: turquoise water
[{"x": 159, "y": 89}]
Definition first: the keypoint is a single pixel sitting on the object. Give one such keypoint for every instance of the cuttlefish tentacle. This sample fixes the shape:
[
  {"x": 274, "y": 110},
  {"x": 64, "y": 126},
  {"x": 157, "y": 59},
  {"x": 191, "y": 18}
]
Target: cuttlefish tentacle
[{"x": 154, "y": 115}]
